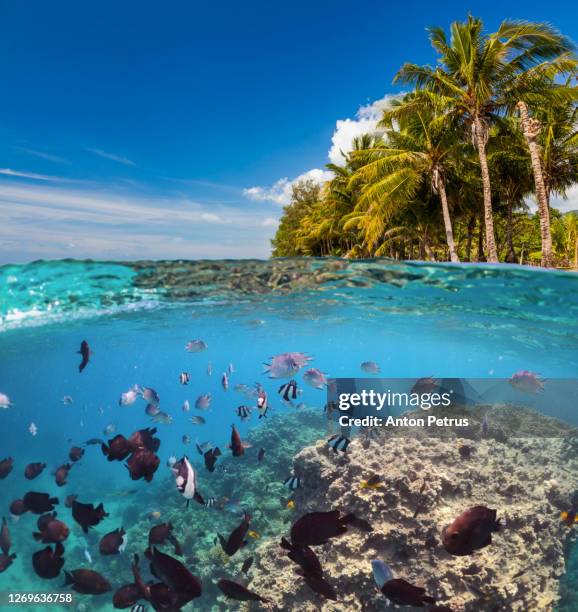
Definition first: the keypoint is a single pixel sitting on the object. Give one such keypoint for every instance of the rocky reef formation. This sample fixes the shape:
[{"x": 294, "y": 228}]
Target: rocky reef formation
[{"x": 427, "y": 482}]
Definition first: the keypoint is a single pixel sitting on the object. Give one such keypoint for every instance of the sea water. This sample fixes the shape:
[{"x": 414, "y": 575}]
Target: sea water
[{"x": 414, "y": 320}]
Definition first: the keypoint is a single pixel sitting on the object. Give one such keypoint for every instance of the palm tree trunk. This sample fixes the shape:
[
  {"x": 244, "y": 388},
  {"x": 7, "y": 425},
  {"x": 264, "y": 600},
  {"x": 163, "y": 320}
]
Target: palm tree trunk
[
  {"x": 576, "y": 253},
  {"x": 511, "y": 255},
  {"x": 488, "y": 213},
  {"x": 448, "y": 222},
  {"x": 481, "y": 255},
  {"x": 531, "y": 129},
  {"x": 470, "y": 237}
]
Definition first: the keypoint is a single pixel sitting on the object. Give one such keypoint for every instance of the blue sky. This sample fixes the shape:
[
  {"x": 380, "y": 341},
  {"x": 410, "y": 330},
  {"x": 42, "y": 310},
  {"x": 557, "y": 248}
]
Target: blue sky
[{"x": 146, "y": 129}]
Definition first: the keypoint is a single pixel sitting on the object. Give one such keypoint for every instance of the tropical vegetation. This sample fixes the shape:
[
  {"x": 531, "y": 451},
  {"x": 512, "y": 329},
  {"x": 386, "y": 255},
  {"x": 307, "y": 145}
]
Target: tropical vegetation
[{"x": 459, "y": 161}]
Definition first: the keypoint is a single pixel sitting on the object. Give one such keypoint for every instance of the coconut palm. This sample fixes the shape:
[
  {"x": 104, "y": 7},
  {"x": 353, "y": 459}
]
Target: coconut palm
[
  {"x": 418, "y": 148},
  {"x": 480, "y": 76}
]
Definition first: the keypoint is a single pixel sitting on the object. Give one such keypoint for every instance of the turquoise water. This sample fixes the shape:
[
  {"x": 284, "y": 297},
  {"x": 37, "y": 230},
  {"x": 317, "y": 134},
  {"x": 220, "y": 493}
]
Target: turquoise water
[{"x": 414, "y": 320}]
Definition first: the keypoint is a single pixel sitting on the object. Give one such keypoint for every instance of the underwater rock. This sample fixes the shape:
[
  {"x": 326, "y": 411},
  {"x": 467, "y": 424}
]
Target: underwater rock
[{"x": 427, "y": 482}]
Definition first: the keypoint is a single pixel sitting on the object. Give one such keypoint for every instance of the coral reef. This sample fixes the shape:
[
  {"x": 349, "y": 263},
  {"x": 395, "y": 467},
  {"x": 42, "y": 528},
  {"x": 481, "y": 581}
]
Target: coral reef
[{"x": 429, "y": 481}]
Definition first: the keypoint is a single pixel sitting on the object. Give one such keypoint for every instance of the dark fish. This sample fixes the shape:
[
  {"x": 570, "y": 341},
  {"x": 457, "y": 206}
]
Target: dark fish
[
  {"x": 53, "y": 531},
  {"x": 211, "y": 458},
  {"x": 237, "y": 538},
  {"x": 39, "y": 503},
  {"x": 85, "y": 353},
  {"x": 87, "y": 582},
  {"x": 113, "y": 543},
  {"x": 403, "y": 593},
  {"x": 339, "y": 443},
  {"x": 127, "y": 596},
  {"x": 184, "y": 378},
  {"x": 6, "y": 467},
  {"x": 288, "y": 390},
  {"x": 305, "y": 558},
  {"x": 261, "y": 454},
  {"x": 142, "y": 464},
  {"x": 247, "y": 565},
  {"x": 317, "y": 528},
  {"x": 362, "y": 524},
  {"x": 43, "y": 520},
  {"x": 5, "y": 541},
  {"x": 262, "y": 402},
  {"x": 292, "y": 483},
  {"x": 118, "y": 449},
  {"x": 164, "y": 532},
  {"x": 6, "y": 561},
  {"x": 234, "y": 590},
  {"x": 174, "y": 575},
  {"x": 86, "y": 515},
  {"x": 471, "y": 531},
  {"x": 145, "y": 438},
  {"x": 61, "y": 474},
  {"x": 18, "y": 507},
  {"x": 237, "y": 446},
  {"x": 94, "y": 441},
  {"x": 244, "y": 412},
  {"x": 33, "y": 470},
  {"x": 321, "y": 586},
  {"x": 69, "y": 500},
  {"x": 47, "y": 562},
  {"x": 75, "y": 453}
]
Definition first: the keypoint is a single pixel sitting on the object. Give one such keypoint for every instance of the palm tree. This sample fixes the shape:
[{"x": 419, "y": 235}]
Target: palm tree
[
  {"x": 418, "y": 148},
  {"x": 476, "y": 76}
]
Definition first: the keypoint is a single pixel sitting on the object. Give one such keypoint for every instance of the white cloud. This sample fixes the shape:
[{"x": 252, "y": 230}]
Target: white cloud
[
  {"x": 92, "y": 223},
  {"x": 365, "y": 122},
  {"x": 270, "y": 222},
  {"x": 113, "y": 157},
  {"x": 43, "y": 155},
  {"x": 280, "y": 192},
  {"x": 568, "y": 204},
  {"x": 33, "y": 176}
]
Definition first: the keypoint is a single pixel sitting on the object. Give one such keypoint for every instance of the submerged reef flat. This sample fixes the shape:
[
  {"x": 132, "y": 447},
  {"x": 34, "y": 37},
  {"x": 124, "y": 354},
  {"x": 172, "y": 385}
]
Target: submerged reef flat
[{"x": 427, "y": 483}]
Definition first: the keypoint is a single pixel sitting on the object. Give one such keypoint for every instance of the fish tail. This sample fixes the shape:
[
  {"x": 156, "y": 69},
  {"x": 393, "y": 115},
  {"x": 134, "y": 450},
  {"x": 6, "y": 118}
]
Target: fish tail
[{"x": 348, "y": 519}]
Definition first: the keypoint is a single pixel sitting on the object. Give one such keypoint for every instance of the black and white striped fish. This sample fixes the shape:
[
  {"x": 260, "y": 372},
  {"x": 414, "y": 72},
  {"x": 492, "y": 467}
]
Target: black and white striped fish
[
  {"x": 293, "y": 483},
  {"x": 184, "y": 378},
  {"x": 262, "y": 403},
  {"x": 244, "y": 412},
  {"x": 186, "y": 480},
  {"x": 288, "y": 390},
  {"x": 338, "y": 443},
  {"x": 211, "y": 502},
  {"x": 138, "y": 608}
]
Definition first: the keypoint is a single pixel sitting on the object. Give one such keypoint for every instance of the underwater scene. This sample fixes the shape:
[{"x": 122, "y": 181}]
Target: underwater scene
[{"x": 167, "y": 443}]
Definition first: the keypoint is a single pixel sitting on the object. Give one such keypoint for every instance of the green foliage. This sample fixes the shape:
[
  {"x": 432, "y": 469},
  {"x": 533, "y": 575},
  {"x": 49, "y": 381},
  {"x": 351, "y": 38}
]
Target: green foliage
[{"x": 415, "y": 189}]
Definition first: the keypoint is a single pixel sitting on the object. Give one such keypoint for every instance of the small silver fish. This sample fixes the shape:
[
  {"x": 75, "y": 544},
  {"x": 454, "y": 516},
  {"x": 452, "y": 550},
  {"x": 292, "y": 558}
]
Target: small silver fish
[
  {"x": 163, "y": 417},
  {"x": 33, "y": 429},
  {"x": 203, "y": 402},
  {"x": 129, "y": 397},
  {"x": 152, "y": 410},
  {"x": 109, "y": 429},
  {"x": 196, "y": 346},
  {"x": 67, "y": 400},
  {"x": 186, "y": 439},
  {"x": 370, "y": 367},
  {"x": 197, "y": 420},
  {"x": 231, "y": 369},
  {"x": 184, "y": 378},
  {"x": 87, "y": 556},
  {"x": 225, "y": 381},
  {"x": 150, "y": 396},
  {"x": 186, "y": 406},
  {"x": 5, "y": 402},
  {"x": 209, "y": 369}
]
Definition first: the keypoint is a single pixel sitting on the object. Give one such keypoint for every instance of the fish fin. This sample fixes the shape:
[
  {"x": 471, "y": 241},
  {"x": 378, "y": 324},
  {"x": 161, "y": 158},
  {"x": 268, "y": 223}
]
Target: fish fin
[
  {"x": 198, "y": 498},
  {"x": 222, "y": 542},
  {"x": 348, "y": 519},
  {"x": 68, "y": 579},
  {"x": 217, "y": 452},
  {"x": 286, "y": 544}
]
